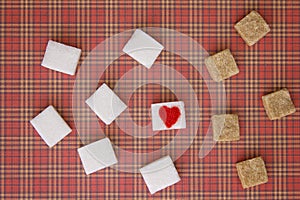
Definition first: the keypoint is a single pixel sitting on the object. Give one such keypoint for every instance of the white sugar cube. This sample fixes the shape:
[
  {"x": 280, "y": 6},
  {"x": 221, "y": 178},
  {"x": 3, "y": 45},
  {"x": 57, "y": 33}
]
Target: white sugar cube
[
  {"x": 97, "y": 155},
  {"x": 160, "y": 174},
  {"x": 143, "y": 48},
  {"x": 60, "y": 57},
  {"x": 50, "y": 126},
  {"x": 106, "y": 104},
  {"x": 169, "y": 115}
]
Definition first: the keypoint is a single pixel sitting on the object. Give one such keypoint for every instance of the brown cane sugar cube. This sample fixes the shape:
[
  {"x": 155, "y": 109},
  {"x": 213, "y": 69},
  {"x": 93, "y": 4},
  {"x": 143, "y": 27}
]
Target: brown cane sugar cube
[
  {"x": 221, "y": 65},
  {"x": 278, "y": 104},
  {"x": 252, "y": 172},
  {"x": 226, "y": 127},
  {"x": 252, "y": 28}
]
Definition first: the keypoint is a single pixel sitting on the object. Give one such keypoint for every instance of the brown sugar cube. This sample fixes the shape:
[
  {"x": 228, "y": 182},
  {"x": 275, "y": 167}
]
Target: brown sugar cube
[
  {"x": 226, "y": 127},
  {"x": 252, "y": 28},
  {"x": 278, "y": 104},
  {"x": 221, "y": 65},
  {"x": 252, "y": 172}
]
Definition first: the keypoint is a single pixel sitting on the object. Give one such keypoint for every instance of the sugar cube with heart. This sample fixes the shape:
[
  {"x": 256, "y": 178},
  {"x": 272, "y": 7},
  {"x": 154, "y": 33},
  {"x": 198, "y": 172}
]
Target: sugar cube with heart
[{"x": 169, "y": 115}]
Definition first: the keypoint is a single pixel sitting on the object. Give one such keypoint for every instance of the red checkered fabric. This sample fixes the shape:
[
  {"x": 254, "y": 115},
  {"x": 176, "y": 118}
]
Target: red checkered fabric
[{"x": 29, "y": 169}]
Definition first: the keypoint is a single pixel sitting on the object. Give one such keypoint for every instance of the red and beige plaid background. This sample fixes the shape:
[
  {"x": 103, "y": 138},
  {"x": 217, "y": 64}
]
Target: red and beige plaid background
[{"x": 29, "y": 169}]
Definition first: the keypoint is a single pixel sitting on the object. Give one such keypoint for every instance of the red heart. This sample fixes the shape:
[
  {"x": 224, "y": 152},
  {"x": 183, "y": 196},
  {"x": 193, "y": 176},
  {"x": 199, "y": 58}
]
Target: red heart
[{"x": 169, "y": 115}]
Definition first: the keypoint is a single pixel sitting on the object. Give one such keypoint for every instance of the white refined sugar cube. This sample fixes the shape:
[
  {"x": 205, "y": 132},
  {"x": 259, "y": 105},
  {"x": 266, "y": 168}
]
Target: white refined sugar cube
[
  {"x": 160, "y": 174},
  {"x": 143, "y": 48},
  {"x": 50, "y": 126},
  {"x": 106, "y": 104},
  {"x": 60, "y": 57},
  {"x": 169, "y": 115},
  {"x": 97, "y": 155}
]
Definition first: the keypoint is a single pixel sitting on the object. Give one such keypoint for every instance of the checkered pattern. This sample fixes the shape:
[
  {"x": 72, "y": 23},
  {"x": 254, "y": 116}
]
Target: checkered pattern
[{"x": 29, "y": 169}]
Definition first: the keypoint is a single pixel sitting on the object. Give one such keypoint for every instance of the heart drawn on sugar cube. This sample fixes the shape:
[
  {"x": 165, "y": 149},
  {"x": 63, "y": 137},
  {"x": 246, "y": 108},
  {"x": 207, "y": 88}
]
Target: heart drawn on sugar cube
[{"x": 169, "y": 115}]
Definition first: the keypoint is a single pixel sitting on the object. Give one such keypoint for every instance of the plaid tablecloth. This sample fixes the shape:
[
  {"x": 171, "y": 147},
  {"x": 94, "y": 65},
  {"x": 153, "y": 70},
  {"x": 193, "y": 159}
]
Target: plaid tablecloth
[{"x": 29, "y": 169}]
